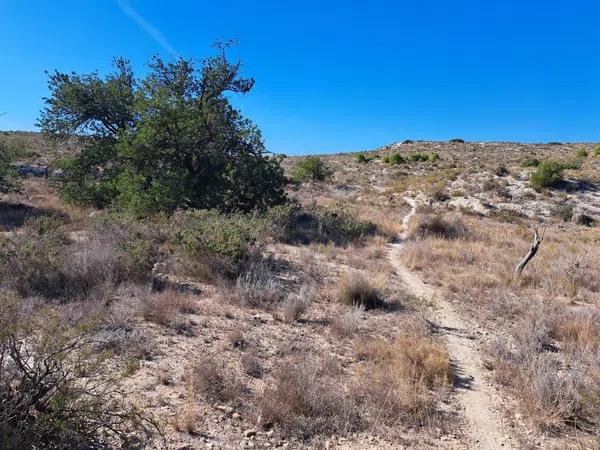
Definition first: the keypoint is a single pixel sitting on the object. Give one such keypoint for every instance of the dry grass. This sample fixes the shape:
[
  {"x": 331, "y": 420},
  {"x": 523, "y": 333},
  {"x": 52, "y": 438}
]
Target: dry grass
[
  {"x": 432, "y": 225},
  {"x": 556, "y": 390},
  {"x": 187, "y": 418},
  {"x": 297, "y": 303},
  {"x": 257, "y": 287},
  {"x": 214, "y": 381},
  {"x": 430, "y": 183},
  {"x": 399, "y": 379},
  {"x": 357, "y": 290},
  {"x": 348, "y": 322},
  {"x": 305, "y": 400},
  {"x": 476, "y": 268},
  {"x": 163, "y": 307}
]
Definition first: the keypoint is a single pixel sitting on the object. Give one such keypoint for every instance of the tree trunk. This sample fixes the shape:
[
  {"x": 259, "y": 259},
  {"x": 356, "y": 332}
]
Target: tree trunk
[{"x": 537, "y": 240}]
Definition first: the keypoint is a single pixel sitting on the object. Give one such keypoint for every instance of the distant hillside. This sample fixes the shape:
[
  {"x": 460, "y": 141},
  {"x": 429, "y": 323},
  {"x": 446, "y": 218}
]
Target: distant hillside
[{"x": 35, "y": 148}]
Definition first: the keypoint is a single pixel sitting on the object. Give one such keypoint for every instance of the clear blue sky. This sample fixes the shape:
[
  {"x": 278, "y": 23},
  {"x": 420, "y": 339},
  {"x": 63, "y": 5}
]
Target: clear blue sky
[{"x": 339, "y": 75}]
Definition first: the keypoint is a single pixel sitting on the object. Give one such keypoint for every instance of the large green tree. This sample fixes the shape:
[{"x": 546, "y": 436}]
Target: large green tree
[{"x": 169, "y": 140}]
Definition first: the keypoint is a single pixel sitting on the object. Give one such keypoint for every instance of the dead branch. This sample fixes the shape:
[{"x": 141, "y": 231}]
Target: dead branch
[{"x": 537, "y": 240}]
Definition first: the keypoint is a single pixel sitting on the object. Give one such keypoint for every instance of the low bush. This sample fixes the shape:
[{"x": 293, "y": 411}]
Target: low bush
[
  {"x": 432, "y": 225},
  {"x": 434, "y": 157},
  {"x": 501, "y": 171},
  {"x": 163, "y": 307},
  {"x": 356, "y": 290},
  {"x": 393, "y": 158},
  {"x": 311, "y": 168},
  {"x": 257, "y": 287},
  {"x": 43, "y": 261},
  {"x": 547, "y": 174},
  {"x": 581, "y": 153},
  {"x": 597, "y": 151},
  {"x": 362, "y": 159},
  {"x": 297, "y": 303},
  {"x": 457, "y": 141},
  {"x": 348, "y": 323},
  {"x": 552, "y": 398},
  {"x": 215, "y": 381},
  {"x": 210, "y": 244},
  {"x": 291, "y": 224},
  {"x": 53, "y": 390},
  {"x": 415, "y": 157},
  {"x": 530, "y": 162},
  {"x": 252, "y": 365},
  {"x": 306, "y": 399},
  {"x": 398, "y": 379},
  {"x": 564, "y": 211}
]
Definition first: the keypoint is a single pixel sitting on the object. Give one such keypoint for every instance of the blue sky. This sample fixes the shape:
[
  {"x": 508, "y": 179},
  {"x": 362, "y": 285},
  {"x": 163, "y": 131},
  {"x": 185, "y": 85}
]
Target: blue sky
[{"x": 338, "y": 75}]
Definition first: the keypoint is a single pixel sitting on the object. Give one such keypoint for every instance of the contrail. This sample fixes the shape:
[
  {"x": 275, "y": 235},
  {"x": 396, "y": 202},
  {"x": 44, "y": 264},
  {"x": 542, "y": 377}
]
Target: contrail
[{"x": 150, "y": 29}]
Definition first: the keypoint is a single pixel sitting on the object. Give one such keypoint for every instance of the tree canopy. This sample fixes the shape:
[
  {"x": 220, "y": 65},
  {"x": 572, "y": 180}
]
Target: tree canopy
[{"x": 166, "y": 141}]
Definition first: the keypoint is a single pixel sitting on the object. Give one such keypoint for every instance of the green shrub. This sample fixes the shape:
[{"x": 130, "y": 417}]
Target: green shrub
[
  {"x": 311, "y": 168},
  {"x": 574, "y": 164},
  {"x": 597, "y": 151},
  {"x": 564, "y": 211},
  {"x": 292, "y": 224},
  {"x": 415, "y": 157},
  {"x": 211, "y": 243},
  {"x": 395, "y": 158},
  {"x": 546, "y": 174},
  {"x": 434, "y": 157},
  {"x": 530, "y": 162},
  {"x": 457, "y": 141},
  {"x": 386, "y": 159},
  {"x": 581, "y": 153},
  {"x": 361, "y": 158}
]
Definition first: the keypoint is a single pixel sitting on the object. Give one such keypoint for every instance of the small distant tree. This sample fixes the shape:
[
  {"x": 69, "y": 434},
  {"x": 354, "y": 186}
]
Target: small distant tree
[
  {"x": 546, "y": 174},
  {"x": 169, "y": 140},
  {"x": 311, "y": 168}
]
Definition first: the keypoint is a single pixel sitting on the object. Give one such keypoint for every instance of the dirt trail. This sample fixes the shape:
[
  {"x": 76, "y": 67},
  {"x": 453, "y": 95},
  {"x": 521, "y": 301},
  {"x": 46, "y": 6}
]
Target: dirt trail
[{"x": 484, "y": 426}]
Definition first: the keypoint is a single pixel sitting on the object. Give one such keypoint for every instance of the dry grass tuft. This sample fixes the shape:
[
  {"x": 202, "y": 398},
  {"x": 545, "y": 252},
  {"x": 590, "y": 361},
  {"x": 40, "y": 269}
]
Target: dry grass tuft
[
  {"x": 399, "y": 379},
  {"x": 252, "y": 365},
  {"x": 215, "y": 381},
  {"x": 186, "y": 419},
  {"x": 357, "y": 290},
  {"x": 306, "y": 400},
  {"x": 296, "y": 304},
  {"x": 433, "y": 225},
  {"x": 257, "y": 287},
  {"x": 553, "y": 395},
  {"x": 163, "y": 307},
  {"x": 348, "y": 322}
]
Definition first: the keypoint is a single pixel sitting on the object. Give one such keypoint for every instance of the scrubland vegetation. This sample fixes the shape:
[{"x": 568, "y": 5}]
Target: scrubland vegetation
[{"x": 173, "y": 285}]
